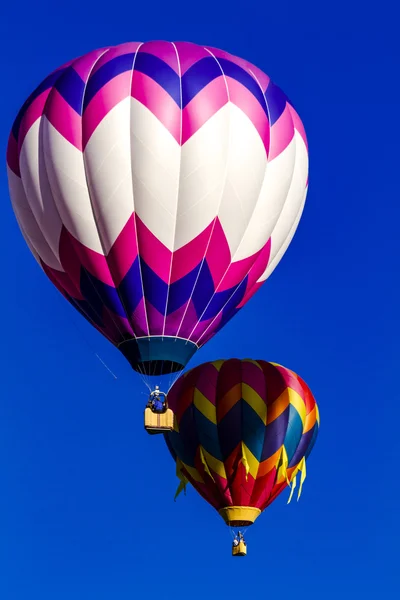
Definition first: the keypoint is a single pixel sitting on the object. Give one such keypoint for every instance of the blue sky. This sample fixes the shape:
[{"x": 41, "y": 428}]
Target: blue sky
[{"x": 86, "y": 500}]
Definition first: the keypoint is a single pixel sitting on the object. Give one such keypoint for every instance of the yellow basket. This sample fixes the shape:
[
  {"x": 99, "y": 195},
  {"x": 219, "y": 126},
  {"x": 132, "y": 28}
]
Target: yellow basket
[
  {"x": 239, "y": 550},
  {"x": 158, "y": 422}
]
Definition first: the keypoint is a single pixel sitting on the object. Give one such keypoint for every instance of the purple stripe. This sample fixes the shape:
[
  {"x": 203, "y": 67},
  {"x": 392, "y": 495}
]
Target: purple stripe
[
  {"x": 275, "y": 434},
  {"x": 276, "y": 102},
  {"x": 71, "y": 87},
  {"x": 235, "y": 72},
  {"x": 45, "y": 85},
  {"x": 161, "y": 73},
  {"x": 302, "y": 447},
  {"x": 108, "y": 71}
]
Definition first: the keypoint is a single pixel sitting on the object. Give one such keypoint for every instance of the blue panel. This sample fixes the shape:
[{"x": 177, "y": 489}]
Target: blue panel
[
  {"x": 180, "y": 291},
  {"x": 253, "y": 430},
  {"x": 294, "y": 432},
  {"x": 155, "y": 289},
  {"x": 236, "y": 72},
  {"x": 276, "y": 101},
  {"x": 208, "y": 434},
  {"x": 204, "y": 289},
  {"x": 162, "y": 73},
  {"x": 130, "y": 288},
  {"x": 114, "y": 67},
  {"x": 99, "y": 294},
  {"x": 71, "y": 87},
  {"x": 197, "y": 77}
]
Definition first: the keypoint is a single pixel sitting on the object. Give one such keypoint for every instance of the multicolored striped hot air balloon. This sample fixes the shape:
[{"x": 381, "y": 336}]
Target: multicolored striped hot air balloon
[
  {"x": 158, "y": 185},
  {"x": 243, "y": 432}
]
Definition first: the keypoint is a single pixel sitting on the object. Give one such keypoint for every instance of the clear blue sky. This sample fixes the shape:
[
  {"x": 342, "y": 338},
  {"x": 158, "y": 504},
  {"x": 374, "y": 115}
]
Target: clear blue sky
[{"x": 86, "y": 497}]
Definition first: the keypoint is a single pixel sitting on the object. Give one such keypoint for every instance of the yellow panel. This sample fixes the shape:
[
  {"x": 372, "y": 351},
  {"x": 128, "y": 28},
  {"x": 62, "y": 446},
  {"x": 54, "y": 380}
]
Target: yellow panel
[
  {"x": 252, "y": 461},
  {"x": 214, "y": 464},
  {"x": 250, "y": 396},
  {"x": 218, "y": 364},
  {"x": 205, "y": 406},
  {"x": 193, "y": 473},
  {"x": 297, "y": 401}
]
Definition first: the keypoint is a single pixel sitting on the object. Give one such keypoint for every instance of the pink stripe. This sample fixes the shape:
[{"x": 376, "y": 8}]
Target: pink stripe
[
  {"x": 120, "y": 326},
  {"x": 189, "y": 54},
  {"x": 33, "y": 113},
  {"x": 105, "y": 100},
  {"x": 62, "y": 282},
  {"x": 114, "y": 51},
  {"x": 84, "y": 64},
  {"x": 218, "y": 254},
  {"x": 64, "y": 118},
  {"x": 244, "y": 99},
  {"x": 253, "y": 376},
  {"x": 68, "y": 258},
  {"x": 189, "y": 256},
  {"x": 138, "y": 320},
  {"x": 207, "y": 327},
  {"x": 155, "y": 320},
  {"x": 12, "y": 155},
  {"x": 174, "y": 320},
  {"x": 158, "y": 101},
  {"x": 73, "y": 255},
  {"x": 207, "y": 382},
  {"x": 203, "y": 106},
  {"x": 236, "y": 272},
  {"x": 290, "y": 380},
  {"x": 153, "y": 252},
  {"x": 298, "y": 125},
  {"x": 123, "y": 252},
  {"x": 282, "y": 133},
  {"x": 255, "y": 273},
  {"x": 163, "y": 50}
]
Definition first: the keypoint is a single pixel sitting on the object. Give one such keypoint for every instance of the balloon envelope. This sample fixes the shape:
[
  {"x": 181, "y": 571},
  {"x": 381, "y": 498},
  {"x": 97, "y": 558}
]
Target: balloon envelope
[
  {"x": 158, "y": 185},
  {"x": 243, "y": 431}
]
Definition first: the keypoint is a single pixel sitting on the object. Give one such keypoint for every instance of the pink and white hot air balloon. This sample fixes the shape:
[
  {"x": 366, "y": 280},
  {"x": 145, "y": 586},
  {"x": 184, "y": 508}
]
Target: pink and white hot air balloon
[{"x": 158, "y": 185}]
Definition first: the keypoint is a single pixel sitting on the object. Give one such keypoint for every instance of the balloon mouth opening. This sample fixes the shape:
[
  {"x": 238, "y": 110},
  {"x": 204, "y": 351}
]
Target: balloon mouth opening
[
  {"x": 239, "y": 516},
  {"x": 157, "y": 367},
  {"x": 158, "y": 355}
]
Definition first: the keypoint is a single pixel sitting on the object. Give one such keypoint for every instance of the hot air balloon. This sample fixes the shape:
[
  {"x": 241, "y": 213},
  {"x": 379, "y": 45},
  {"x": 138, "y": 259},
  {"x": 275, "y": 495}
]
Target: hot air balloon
[
  {"x": 157, "y": 185},
  {"x": 243, "y": 432}
]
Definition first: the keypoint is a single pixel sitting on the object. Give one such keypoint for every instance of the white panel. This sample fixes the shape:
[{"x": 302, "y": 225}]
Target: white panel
[
  {"x": 247, "y": 163},
  {"x": 291, "y": 213},
  {"x": 36, "y": 185},
  {"x": 282, "y": 249},
  {"x": 107, "y": 158},
  {"x": 272, "y": 198},
  {"x": 203, "y": 176},
  {"x": 28, "y": 225},
  {"x": 66, "y": 171},
  {"x": 155, "y": 156}
]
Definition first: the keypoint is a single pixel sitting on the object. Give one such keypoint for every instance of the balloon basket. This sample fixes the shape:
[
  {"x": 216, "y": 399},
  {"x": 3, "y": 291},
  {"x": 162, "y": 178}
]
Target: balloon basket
[
  {"x": 158, "y": 422},
  {"x": 239, "y": 550}
]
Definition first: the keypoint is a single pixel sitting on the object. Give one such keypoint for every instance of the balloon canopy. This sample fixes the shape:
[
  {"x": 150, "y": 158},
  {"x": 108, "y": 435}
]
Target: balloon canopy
[
  {"x": 158, "y": 185},
  {"x": 243, "y": 432}
]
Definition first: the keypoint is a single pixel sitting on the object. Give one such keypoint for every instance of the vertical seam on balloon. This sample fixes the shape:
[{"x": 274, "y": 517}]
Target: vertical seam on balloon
[
  {"x": 227, "y": 491},
  {"x": 92, "y": 204},
  {"x": 240, "y": 243},
  {"x": 298, "y": 216},
  {"x": 133, "y": 194},
  {"x": 178, "y": 190},
  {"x": 55, "y": 204},
  {"x": 214, "y": 221}
]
